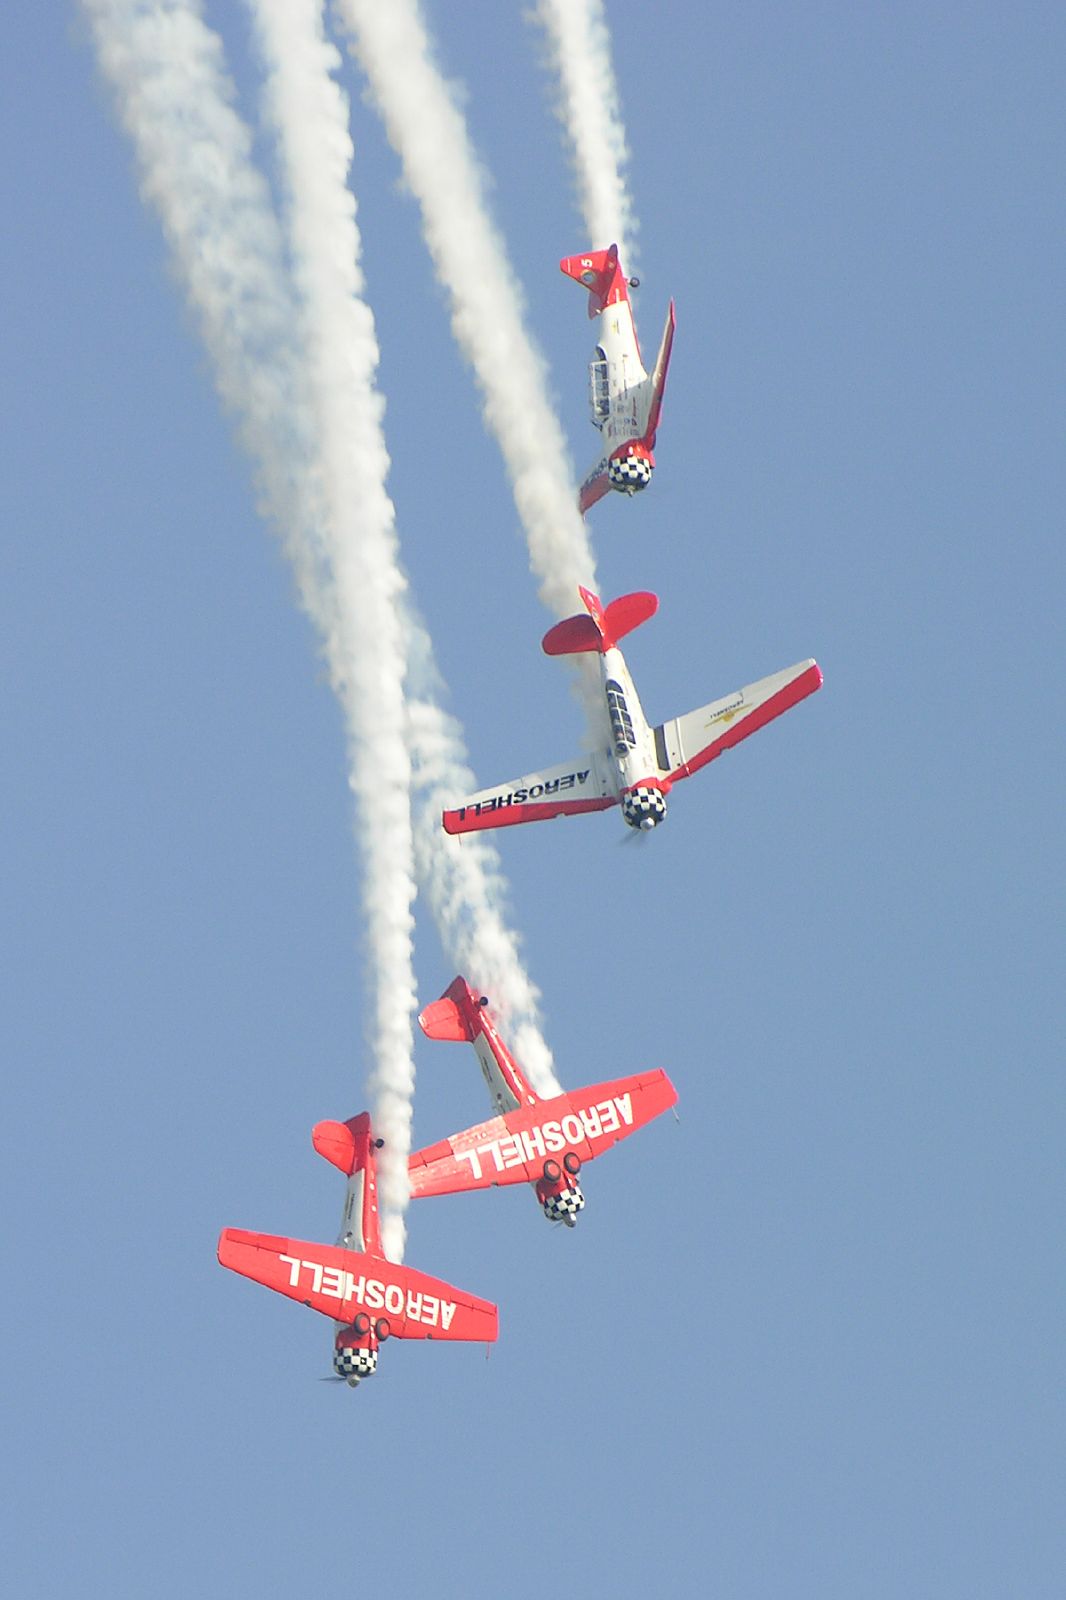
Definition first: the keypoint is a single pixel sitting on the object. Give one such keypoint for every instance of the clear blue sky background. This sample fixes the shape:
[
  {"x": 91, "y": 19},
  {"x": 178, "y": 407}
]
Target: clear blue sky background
[{"x": 809, "y": 1341}]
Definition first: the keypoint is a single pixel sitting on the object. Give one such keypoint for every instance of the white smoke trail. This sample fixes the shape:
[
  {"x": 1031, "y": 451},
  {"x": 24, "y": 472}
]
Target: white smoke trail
[
  {"x": 366, "y": 647},
  {"x": 465, "y": 886},
  {"x": 463, "y": 879},
  {"x": 590, "y": 110},
  {"x": 429, "y": 133},
  {"x": 175, "y": 98}
]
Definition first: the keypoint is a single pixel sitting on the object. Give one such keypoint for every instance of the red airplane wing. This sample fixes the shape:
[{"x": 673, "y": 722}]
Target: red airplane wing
[
  {"x": 341, "y": 1283},
  {"x": 513, "y": 1148}
]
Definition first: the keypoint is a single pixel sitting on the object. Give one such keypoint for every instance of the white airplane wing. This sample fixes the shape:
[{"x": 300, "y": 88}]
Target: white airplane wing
[
  {"x": 584, "y": 784},
  {"x": 685, "y": 744}
]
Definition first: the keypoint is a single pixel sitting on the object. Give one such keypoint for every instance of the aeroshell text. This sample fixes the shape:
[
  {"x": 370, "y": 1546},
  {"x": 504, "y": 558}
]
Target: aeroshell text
[
  {"x": 549, "y": 1138},
  {"x": 373, "y": 1293}
]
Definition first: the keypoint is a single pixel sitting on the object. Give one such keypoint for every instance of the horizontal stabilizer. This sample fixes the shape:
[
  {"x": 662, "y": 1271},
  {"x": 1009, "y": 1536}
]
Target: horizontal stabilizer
[
  {"x": 599, "y": 272},
  {"x": 572, "y": 637},
  {"x": 604, "y": 625},
  {"x": 627, "y": 613},
  {"x": 345, "y": 1144},
  {"x": 444, "y": 1019},
  {"x": 341, "y": 1283}
]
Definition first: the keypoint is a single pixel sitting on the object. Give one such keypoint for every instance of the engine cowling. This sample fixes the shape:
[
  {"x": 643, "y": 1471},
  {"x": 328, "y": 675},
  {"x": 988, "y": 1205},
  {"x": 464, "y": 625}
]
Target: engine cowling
[
  {"x": 355, "y": 1354},
  {"x": 630, "y": 468},
  {"x": 644, "y": 806},
  {"x": 559, "y": 1192},
  {"x": 564, "y": 1204}
]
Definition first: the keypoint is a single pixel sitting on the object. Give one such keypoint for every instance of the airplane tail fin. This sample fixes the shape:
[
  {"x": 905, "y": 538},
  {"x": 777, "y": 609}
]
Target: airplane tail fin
[
  {"x": 600, "y": 273},
  {"x": 450, "y": 1016},
  {"x": 350, "y": 1147},
  {"x": 658, "y": 377},
  {"x": 604, "y": 625}
]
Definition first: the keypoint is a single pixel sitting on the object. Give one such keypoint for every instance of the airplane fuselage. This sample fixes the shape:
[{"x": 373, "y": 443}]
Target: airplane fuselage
[
  {"x": 557, "y": 1189},
  {"x": 619, "y": 387},
  {"x": 641, "y": 788}
]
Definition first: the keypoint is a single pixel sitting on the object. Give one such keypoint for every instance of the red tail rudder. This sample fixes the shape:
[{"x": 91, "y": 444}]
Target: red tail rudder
[{"x": 599, "y": 272}]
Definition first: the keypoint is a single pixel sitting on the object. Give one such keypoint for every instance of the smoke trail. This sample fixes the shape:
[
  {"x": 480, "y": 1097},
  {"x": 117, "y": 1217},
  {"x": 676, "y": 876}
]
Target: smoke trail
[
  {"x": 194, "y": 153},
  {"x": 429, "y": 133},
  {"x": 366, "y": 647},
  {"x": 463, "y": 879},
  {"x": 590, "y": 111},
  {"x": 465, "y": 887},
  {"x": 175, "y": 99}
]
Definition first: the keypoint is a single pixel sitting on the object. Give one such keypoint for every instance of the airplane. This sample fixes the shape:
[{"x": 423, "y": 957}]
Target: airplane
[
  {"x": 624, "y": 401},
  {"x": 369, "y": 1297},
  {"x": 542, "y": 1142},
  {"x": 637, "y": 768}
]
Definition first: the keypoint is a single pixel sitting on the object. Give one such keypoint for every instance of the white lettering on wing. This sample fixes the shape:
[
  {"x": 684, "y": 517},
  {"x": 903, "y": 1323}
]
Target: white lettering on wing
[
  {"x": 511, "y": 1151},
  {"x": 474, "y": 1160},
  {"x": 608, "y": 1115},
  {"x": 533, "y": 1143},
  {"x": 528, "y": 1146},
  {"x": 374, "y": 1293},
  {"x": 333, "y": 1281},
  {"x": 592, "y": 1121},
  {"x": 572, "y": 1129}
]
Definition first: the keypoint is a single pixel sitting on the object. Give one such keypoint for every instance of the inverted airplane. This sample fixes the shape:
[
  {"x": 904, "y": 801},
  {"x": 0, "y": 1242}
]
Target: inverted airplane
[
  {"x": 638, "y": 765},
  {"x": 369, "y": 1297},
  {"x": 624, "y": 400},
  {"x": 541, "y": 1142}
]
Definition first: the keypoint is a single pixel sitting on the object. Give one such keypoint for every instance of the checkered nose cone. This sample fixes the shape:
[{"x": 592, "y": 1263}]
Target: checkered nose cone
[
  {"x": 354, "y": 1361},
  {"x": 629, "y": 472},
  {"x": 644, "y": 804},
  {"x": 567, "y": 1203}
]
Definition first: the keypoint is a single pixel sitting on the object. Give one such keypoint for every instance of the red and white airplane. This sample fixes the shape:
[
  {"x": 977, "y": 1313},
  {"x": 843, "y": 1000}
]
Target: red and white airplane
[
  {"x": 638, "y": 765},
  {"x": 625, "y": 402},
  {"x": 542, "y": 1142},
  {"x": 369, "y": 1297}
]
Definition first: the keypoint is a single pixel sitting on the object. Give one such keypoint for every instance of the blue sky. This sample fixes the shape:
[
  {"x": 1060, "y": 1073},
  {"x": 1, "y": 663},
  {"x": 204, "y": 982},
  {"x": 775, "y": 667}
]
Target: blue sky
[{"x": 807, "y": 1341}]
